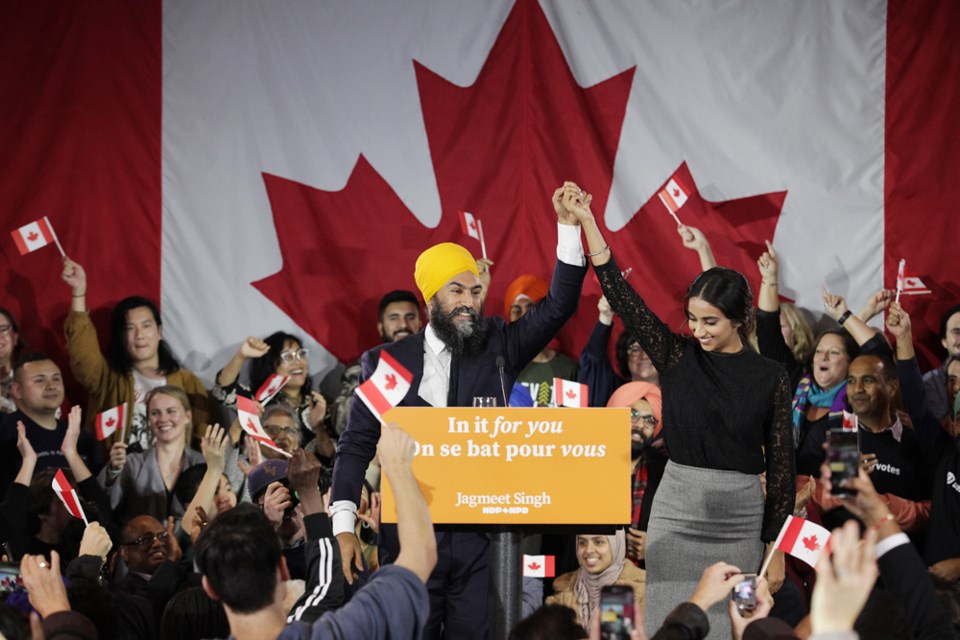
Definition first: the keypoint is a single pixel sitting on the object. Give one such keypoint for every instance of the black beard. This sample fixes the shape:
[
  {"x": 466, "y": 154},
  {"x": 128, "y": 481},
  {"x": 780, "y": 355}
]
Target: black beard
[
  {"x": 638, "y": 447},
  {"x": 464, "y": 340}
]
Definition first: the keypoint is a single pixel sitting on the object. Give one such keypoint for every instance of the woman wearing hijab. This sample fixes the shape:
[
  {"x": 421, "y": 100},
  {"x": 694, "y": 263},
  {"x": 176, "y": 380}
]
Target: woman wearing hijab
[{"x": 602, "y": 560}]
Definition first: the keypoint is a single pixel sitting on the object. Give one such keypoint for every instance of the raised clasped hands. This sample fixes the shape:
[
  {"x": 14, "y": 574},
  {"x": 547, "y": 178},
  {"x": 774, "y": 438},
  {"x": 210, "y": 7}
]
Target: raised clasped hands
[{"x": 572, "y": 204}]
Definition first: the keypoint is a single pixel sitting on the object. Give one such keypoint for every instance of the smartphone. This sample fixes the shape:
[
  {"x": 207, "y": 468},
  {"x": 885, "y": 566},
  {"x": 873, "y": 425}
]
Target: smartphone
[
  {"x": 616, "y": 612},
  {"x": 843, "y": 458},
  {"x": 744, "y": 594},
  {"x": 9, "y": 578}
]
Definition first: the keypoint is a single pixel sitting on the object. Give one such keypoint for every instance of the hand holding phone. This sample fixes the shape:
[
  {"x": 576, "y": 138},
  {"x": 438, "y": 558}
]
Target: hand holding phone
[
  {"x": 843, "y": 458},
  {"x": 616, "y": 612},
  {"x": 744, "y": 593}
]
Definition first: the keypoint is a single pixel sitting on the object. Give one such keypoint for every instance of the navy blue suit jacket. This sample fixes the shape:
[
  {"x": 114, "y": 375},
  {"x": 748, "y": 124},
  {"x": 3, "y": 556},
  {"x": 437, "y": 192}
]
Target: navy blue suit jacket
[{"x": 518, "y": 343}]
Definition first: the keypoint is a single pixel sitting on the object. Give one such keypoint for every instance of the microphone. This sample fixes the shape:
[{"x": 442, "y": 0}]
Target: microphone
[{"x": 503, "y": 385}]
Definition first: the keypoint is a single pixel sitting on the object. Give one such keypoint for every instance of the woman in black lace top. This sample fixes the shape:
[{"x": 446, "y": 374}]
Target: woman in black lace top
[{"x": 726, "y": 417}]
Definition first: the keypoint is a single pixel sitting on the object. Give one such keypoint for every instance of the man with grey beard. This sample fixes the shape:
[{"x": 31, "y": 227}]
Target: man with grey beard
[{"x": 453, "y": 360}]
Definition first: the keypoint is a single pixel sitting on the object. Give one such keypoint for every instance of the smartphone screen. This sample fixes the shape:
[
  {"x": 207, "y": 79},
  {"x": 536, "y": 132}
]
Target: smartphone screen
[
  {"x": 9, "y": 577},
  {"x": 843, "y": 458},
  {"x": 616, "y": 612},
  {"x": 745, "y": 593}
]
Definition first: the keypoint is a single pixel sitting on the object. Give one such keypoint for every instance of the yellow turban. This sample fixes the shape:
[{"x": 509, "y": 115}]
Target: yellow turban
[{"x": 438, "y": 264}]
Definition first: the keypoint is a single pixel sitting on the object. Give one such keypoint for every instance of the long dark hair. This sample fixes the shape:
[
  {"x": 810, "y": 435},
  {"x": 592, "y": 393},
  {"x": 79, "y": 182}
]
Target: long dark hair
[
  {"x": 261, "y": 368},
  {"x": 117, "y": 355},
  {"x": 19, "y": 346},
  {"x": 728, "y": 291}
]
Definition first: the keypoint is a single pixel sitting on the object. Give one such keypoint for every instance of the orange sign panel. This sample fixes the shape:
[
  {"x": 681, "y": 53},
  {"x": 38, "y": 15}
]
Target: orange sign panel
[{"x": 519, "y": 466}]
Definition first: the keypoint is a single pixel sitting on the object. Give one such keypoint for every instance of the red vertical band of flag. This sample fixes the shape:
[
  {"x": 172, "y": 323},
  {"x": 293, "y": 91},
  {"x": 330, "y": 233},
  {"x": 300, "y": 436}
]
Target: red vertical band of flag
[
  {"x": 377, "y": 399},
  {"x": 67, "y": 494},
  {"x": 789, "y": 539},
  {"x": 81, "y": 120},
  {"x": 922, "y": 155}
]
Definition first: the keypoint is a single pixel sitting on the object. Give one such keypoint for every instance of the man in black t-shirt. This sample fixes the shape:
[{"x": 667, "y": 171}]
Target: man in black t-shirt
[{"x": 38, "y": 392}]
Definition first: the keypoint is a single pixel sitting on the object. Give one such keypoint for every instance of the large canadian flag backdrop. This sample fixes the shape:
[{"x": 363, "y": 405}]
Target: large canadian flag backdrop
[{"x": 259, "y": 165}]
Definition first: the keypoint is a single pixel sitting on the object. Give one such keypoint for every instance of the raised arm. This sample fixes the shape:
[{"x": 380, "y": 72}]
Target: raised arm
[
  {"x": 768, "y": 299},
  {"x": 929, "y": 432},
  {"x": 694, "y": 240},
  {"x": 252, "y": 347},
  {"x": 86, "y": 360},
  {"x": 418, "y": 546},
  {"x": 213, "y": 445},
  {"x": 837, "y": 307},
  {"x": 876, "y": 304},
  {"x": 595, "y": 369},
  {"x": 69, "y": 446},
  {"x": 663, "y": 347}
]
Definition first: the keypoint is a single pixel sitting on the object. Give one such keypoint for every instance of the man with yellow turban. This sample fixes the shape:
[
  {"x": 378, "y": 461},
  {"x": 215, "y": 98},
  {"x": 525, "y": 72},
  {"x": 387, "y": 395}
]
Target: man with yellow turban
[{"x": 453, "y": 360}]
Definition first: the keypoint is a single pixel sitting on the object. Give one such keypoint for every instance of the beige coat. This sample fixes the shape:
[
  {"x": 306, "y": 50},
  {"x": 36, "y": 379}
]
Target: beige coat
[
  {"x": 631, "y": 576},
  {"x": 106, "y": 388}
]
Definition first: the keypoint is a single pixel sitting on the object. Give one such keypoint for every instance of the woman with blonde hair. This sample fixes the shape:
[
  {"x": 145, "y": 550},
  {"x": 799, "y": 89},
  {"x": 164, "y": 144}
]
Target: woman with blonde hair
[{"x": 142, "y": 483}]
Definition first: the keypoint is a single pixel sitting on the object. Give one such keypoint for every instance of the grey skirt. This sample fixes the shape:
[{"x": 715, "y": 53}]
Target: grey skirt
[{"x": 699, "y": 517}]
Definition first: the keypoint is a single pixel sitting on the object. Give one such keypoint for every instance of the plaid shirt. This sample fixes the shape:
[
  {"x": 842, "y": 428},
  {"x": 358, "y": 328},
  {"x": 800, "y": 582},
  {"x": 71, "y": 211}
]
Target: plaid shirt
[{"x": 639, "y": 485}]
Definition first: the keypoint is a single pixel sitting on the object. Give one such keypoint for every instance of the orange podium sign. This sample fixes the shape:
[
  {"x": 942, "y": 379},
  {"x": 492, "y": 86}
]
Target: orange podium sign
[{"x": 518, "y": 466}]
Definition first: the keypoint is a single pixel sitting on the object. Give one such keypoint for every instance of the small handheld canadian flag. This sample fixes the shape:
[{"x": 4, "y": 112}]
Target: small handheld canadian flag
[
  {"x": 270, "y": 387},
  {"x": 674, "y": 195},
  {"x": 35, "y": 235},
  {"x": 538, "y": 566},
  {"x": 850, "y": 421},
  {"x": 110, "y": 420},
  {"x": 387, "y": 386},
  {"x": 907, "y": 284},
  {"x": 472, "y": 226},
  {"x": 802, "y": 539},
  {"x": 249, "y": 418},
  {"x": 569, "y": 394},
  {"x": 68, "y": 496}
]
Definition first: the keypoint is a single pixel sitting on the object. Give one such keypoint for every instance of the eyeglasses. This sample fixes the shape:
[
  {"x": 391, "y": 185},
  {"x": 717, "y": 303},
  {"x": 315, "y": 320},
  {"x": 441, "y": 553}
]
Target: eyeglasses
[
  {"x": 636, "y": 416},
  {"x": 147, "y": 540},
  {"x": 6, "y": 330},
  {"x": 294, "y": 354},
  {"x": 274, "y": 430}
]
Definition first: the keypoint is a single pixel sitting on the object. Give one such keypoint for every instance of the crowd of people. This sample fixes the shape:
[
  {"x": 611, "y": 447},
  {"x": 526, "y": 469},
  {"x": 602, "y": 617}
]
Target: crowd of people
[{"x": 197, "y": 530}]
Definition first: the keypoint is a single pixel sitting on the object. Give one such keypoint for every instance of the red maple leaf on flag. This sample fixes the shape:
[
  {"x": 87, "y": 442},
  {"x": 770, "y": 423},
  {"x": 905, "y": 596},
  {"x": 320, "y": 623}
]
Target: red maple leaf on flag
[
  {"x": 251, "y": 425},
  {"x": 534, "y": 566},
  {"x": 676, "y": 193},
  {"x": 32, "y": 236},
  {"x": 571, "y": 394},
  {"x": 391, "y": 383},
  {"x": 111, "y": 421},
  {"x": 499, "y": 147},
  {"x": 811, "y": 542}
]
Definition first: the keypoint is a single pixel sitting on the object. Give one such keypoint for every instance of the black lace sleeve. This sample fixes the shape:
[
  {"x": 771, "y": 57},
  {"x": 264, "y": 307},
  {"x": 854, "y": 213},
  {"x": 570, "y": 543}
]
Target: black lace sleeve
[
  {"x": 781, "y": 473},
  {"x": 662, "y": 345}
]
